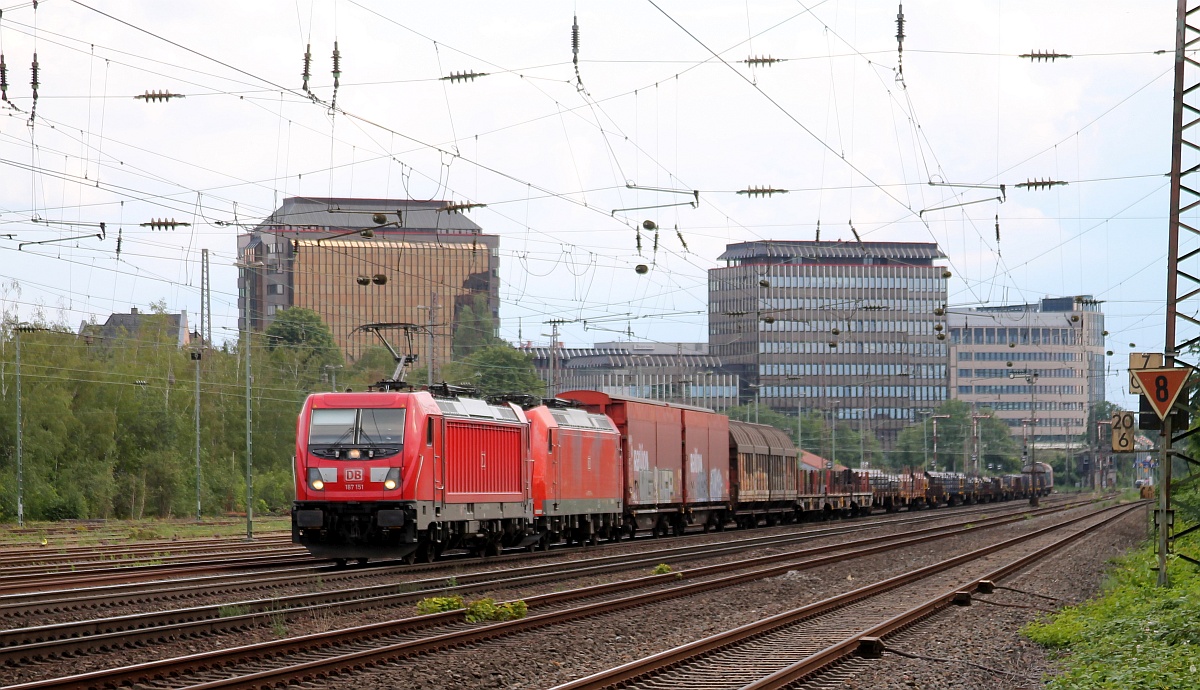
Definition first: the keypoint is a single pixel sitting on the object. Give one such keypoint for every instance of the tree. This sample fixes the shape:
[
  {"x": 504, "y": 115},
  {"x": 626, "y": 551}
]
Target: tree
[
  {"x": 955, "y": 444},
  {"x": 474, "y": 328},
  {"x": 497, "y": 369},
  {"x": 303, "y": 332}
]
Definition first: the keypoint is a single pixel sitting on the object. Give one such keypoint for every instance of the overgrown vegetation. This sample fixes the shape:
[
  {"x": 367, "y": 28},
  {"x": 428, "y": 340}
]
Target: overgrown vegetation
[
  {"x": 478, "y": 611},
  {"x": 662, "y": 569},
  {"x": 232, "y": 611},
  {"x": 487, "y": 609},
  {"x": 430, "y": 605},
  {"x": 1135, "y": 635}
]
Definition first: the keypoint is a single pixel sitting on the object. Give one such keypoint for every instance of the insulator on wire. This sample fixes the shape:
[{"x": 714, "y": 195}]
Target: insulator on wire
[
  {"x": 575, "y": 40},
  {"x": 463, "y": 76},
  {"x": 3, "y": 79},
  {"x": 681, "y": 240},
  {"x": 655, "y": 240},
  {"x": 638, "y": 235},
  {"x": 761, "y": 191},
  {"x": 818, "y": 232},
  {"x": 337, "y": 65},
  {"x": 34, "y": 79},
  {"x": 119, "y": 231},
  {"x": 761, "y": 60},
  {"x": 900, "y": 29},
  {"x": 855, "y": 233},
  {"x": 156, "y": 96},
  {"x": 1044, "y": 56},
  {"x": 1039, "y": 184},
  {"x": 165, "y": 224},
  {"x": 307, "y": 64},
  {"x": 997, "y": 230}
]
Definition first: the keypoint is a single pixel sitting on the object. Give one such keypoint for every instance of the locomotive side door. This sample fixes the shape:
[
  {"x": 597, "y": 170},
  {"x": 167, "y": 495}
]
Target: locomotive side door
[{"x": 435, "y": 437}]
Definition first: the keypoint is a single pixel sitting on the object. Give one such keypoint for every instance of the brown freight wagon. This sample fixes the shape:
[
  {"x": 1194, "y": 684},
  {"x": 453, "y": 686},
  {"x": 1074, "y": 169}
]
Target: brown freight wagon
[{"x": 762, "y": 469}]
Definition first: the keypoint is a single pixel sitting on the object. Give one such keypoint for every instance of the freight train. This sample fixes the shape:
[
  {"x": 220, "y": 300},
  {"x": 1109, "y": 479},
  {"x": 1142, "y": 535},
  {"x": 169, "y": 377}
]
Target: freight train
[{"x": 413, "y": 474}]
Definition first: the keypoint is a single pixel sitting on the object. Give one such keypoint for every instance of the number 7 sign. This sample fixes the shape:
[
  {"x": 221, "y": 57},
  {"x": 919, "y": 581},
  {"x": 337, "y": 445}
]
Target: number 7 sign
[{"x": 1162, "y": 387}]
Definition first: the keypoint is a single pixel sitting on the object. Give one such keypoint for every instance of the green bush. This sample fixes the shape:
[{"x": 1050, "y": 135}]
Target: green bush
[
  {"x": 662, "y": 569},
  {"x": 488, "y": 610},
  {"x": 439, "y": 604},
  {"x": 1135, "y": 635}
]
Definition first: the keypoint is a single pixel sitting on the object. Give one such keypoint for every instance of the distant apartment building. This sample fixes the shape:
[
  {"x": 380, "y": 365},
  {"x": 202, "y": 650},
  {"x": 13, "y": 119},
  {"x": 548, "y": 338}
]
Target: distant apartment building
[
  {"x": 847, "y": 329},
  {"x": 672, "y": 372},
  {"x": 359, "y": 261},
  {"x": 139, "y": 325},
  {"x": 1039, "y": 366}
]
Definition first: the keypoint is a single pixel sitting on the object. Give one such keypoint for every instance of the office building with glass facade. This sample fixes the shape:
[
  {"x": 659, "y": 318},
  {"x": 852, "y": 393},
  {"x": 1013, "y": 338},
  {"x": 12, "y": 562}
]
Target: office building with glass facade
[
  {"x": 358, "y": 261},
  {"x": 849, "y": 330}
]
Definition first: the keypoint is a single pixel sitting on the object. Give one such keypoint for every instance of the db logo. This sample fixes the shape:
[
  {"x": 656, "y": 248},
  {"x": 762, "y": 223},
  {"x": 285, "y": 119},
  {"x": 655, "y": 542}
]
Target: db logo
[{"x": 354, "y": 475}]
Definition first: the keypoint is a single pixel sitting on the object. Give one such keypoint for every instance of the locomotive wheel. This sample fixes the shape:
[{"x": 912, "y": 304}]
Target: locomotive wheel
[
  {"x": 362, "y": 561},
  {"x": 339, "y": 562}
]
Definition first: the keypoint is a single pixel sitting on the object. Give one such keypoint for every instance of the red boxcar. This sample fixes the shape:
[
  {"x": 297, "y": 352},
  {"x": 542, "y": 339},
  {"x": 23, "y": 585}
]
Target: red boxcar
[
  {"x": 388, "y": 474},
  {"x": 706, "y": 459},
  {"x": 676, "y": 460},
  {"x": 577, "y": 485}
]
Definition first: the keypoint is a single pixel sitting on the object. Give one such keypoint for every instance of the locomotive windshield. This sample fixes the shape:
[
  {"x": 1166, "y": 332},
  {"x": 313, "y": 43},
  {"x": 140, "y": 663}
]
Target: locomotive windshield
[{"x": 366, "y": 426}]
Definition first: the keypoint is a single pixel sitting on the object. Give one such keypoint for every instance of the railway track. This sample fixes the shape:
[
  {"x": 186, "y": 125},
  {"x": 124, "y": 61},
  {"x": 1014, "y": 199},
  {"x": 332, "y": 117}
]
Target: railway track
[
  {"x": 272, "y": 662},
  {"x": 784, "y": 649},
  {"x": 16, "y": 561},
  {"x": 107, "y": 633},
  {"x": 44, "y": 598}
]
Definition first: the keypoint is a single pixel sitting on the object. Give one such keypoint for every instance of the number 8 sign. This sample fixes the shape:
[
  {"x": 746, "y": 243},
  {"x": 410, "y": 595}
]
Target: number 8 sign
[{"x": 1162, "y": 387}]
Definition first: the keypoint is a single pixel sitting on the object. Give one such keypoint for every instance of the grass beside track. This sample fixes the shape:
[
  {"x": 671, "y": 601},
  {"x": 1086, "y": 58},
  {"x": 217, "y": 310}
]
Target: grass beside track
[
  {"x": 1134, "y": 635},
  {"x": 91, "y": 533}
]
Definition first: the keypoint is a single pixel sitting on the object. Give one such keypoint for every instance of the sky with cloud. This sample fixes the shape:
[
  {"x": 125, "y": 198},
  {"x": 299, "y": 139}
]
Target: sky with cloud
[{"x": 669, "y": 103}]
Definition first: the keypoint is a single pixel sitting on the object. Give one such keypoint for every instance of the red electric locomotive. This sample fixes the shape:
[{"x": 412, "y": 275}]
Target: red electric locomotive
[
  {"x": 576, "y": 474},
  {"x": 407, "y": 474}
]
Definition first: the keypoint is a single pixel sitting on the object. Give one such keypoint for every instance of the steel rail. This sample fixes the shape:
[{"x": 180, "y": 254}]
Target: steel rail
[
  {"x": 106, "y": 633},
  {"x": 848, "y": 646},
  {"x": 184, "y": 666},
  {"x": 661, "y": 662}
]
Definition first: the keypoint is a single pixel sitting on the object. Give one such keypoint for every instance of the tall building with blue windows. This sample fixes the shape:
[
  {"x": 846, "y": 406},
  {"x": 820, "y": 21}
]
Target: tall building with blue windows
[
  {"x": 851, "y": 330},
  {"x": 1040, "y": 366}
]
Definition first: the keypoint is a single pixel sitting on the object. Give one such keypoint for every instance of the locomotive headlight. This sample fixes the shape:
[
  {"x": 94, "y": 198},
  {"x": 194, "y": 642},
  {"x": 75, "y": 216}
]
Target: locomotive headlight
[
  {"x": 314, "y": 479},
  {"x": 354, "y": 454},
  {"x": 393, "y": 479}
]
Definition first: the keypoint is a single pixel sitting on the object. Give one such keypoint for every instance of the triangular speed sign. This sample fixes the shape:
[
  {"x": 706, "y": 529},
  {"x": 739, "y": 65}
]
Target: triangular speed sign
[{"x": 1162, "y": 386}]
